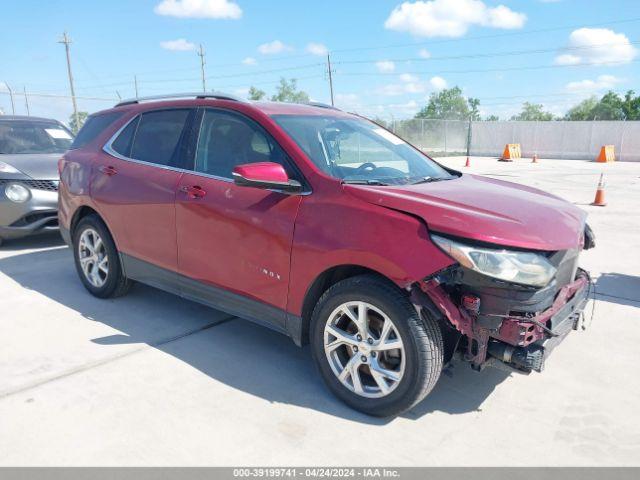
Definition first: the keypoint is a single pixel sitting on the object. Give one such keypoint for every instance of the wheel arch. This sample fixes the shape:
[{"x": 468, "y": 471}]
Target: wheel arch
[
  {"x": 326, "y": 280},
  {"x": 79, "y": 214}
]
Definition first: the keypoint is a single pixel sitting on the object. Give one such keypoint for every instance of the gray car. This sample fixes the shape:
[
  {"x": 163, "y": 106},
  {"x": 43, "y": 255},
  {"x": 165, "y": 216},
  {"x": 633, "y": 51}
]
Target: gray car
[{"x": 29, "y": 151}]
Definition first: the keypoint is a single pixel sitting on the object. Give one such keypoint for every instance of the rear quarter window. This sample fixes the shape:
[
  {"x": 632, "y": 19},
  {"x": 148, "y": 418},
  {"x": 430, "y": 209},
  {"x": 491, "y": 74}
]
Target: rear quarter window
[{"x": 93, "y": 127}]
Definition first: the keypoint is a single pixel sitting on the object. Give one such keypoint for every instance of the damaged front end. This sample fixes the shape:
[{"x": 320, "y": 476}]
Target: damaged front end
[{"x": 497, "y": 322}]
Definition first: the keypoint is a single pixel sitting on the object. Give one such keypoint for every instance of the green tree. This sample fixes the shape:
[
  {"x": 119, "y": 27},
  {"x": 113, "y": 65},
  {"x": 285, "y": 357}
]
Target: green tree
[
  {"x": 287, "y": 91},
  {"x": 533, "y": 111},
  {"x": 256, "y": 94},
  {"x": 82, "y": 117},
  {"x": 583, "y": 110},
  {"x": 610, "y": 107},
  {"x": 447, "y": 104},
  {"x": 491, "y": 118},
  {"x": 474, "y": 108},
  {"x": 631, "y": 106}
]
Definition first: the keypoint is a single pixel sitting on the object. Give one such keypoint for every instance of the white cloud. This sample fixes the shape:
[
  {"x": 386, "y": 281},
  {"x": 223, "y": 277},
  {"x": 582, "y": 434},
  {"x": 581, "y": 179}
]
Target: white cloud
[
  {"x": 408, "y": 78},
  {"x": 450, "y": 18},
  {"x": 274, "y": 47},
  {"x": 603, "y": 82},
  {"x": 179, "y": 45},
  {"x": 385, "y": 66},
  {"x": 224, "y": 9},
  {"x": 396, "y": 89},
  {"x": 317, "y": 49},
  {"x": 249, "y": 61},
  {"x": 241, "y": 92},
  {"x": 348, "y": 101},
  {"x": 597, "y": 46},
  {"x": 411, "y": 84},
  {"x": 438, "y": 83},
  {"x": 424, "y": 53}
]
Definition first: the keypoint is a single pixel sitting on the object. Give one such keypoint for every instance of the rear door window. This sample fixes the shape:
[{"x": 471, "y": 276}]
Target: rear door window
[
  {"x": 94, "y": 126},
  {"x": 158, "y": 136}
]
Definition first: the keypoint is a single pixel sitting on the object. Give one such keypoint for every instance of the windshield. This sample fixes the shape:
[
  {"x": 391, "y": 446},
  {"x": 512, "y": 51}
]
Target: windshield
[
  {"x": 358, "y": 151},
  {"x": 33, "y": 137}
]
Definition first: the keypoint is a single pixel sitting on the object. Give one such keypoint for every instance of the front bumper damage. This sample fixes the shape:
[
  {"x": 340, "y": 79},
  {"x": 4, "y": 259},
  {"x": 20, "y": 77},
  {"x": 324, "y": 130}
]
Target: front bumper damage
[{"x": 503, "y": 334}]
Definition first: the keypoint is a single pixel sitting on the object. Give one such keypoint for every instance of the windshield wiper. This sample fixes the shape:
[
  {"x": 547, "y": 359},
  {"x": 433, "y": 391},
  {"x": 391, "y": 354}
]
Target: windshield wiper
[
  {"x": 429, "y": 180},
  {"x": 363, "y": 182}
]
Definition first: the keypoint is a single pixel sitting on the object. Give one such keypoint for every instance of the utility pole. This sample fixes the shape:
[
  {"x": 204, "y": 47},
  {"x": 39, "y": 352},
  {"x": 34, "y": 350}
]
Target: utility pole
[
  {"x": 330, "y": 77},
  {"x": 135, "y": 83},
  {"x": 67, "y": 41},
  {"x": 26, "y": 100},
  {"x": 201, "y": 54},
  {"x": 13, "y": 105}
]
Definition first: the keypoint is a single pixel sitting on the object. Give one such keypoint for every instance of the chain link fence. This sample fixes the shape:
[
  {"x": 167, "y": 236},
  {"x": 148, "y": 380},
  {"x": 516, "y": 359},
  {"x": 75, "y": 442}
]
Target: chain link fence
[
  {"x": 553, "y": 139},
  {"x": 435, "y": 137}
]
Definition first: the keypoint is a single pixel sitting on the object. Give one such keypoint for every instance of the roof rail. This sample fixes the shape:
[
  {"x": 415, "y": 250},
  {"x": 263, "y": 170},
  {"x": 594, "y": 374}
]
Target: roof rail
[
  {"x": 322, "y": 105},
  {"x": 216, "y": 95}
]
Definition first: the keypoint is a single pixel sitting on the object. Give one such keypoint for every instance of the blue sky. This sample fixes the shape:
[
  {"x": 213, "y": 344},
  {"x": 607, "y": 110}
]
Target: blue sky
[{"x": 388, "y": 56}]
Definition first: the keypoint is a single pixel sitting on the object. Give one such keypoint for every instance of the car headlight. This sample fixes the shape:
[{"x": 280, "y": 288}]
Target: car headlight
[
  {"x": 17, "y": 193},
  {"x": 6, "y": 168},
  {"x": 509, "y": 265}
]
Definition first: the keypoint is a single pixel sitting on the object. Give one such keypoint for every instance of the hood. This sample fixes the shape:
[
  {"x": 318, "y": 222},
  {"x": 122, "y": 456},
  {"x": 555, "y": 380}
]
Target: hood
[
  {"x": 486, "y": 210},
  {"x": 39, "y": 166}
]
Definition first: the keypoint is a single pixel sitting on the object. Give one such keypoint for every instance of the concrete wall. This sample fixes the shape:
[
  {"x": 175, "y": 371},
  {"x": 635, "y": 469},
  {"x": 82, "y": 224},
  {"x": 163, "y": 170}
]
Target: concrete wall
[{"x": 571, "y": 140}]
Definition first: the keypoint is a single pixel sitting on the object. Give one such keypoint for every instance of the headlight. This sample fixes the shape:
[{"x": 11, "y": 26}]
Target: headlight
[
  {"x": 17, "y": 193},
  {"x": 509, "y": 265},
  {"x": 6, "y": 168}
]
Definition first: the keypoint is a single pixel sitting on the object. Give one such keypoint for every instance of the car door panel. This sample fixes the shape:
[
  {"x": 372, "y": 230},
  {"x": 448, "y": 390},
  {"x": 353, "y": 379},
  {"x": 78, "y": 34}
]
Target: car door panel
[
  {"x": 230, "y": 238},
  {"x": 236, "y": 238}
]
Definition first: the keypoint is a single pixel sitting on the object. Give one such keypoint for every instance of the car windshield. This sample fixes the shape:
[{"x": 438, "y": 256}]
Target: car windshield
[
  {"x": 33, "y": 137},
  {"x": 356, "y": 150}
]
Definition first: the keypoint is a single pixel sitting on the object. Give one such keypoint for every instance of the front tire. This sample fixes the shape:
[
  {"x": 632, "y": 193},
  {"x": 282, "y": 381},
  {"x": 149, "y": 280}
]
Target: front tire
[
  {"x": 96, "y": 258},
  {"x": 372, "y": 348}
]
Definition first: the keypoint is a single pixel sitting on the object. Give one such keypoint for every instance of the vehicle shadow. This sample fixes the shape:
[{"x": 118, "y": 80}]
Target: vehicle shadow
[
  {"x": 618, "y": 288},
  {"x": 41, "y": 240},
  {"x": 238, "y": 353}
]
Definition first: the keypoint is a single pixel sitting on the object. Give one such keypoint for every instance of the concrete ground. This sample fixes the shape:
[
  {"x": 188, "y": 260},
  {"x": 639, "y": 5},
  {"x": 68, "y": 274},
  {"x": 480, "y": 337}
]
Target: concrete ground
[{"x": 150, "y": 379}]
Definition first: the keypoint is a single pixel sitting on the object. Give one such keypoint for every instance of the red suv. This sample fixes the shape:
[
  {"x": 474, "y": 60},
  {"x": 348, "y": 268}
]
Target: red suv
[{"x": 330, "y": 229}]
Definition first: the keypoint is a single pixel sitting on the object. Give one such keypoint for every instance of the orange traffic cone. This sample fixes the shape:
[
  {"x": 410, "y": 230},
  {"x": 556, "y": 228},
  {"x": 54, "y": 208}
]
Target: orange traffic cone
[
  {"x": 468, "y": 164},
  {"x": 599, "y": 201},
  {"x": 535, "y": 158}
]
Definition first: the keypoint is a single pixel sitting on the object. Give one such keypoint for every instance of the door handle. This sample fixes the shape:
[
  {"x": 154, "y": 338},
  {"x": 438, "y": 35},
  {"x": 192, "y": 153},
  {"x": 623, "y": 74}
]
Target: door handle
[
  {"x": 108, "y": 170},
  {"x": 193, "y": 192}
]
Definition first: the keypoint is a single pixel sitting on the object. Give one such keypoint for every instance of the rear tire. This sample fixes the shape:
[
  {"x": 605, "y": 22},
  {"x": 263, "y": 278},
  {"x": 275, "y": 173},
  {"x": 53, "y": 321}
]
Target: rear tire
[
  {"x": 391, "y": 380},
  {"x": 97, "y": 260}
]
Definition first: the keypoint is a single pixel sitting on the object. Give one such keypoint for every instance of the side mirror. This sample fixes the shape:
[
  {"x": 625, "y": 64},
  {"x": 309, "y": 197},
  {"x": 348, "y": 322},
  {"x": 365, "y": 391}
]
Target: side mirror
[{"x": 265, "y": 175}]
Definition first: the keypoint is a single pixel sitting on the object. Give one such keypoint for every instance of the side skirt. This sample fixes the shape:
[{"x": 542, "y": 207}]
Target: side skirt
[{"x": 218, "y": 298}]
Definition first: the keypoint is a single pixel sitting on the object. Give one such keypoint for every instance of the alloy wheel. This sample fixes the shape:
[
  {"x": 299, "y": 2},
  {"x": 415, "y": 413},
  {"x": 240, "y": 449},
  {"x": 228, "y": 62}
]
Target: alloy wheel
[
  {"x": 364, "y": 349},
  {"x": 93, "y": 257}
]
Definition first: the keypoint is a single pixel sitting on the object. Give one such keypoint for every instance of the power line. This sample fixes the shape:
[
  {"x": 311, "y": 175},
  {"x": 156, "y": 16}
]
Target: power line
[
  {"x": 347, "y": 62},
  {"x": 481, "y": 37},
  {"x": 489, "y": 55},
  {"x": 486, "y": 70},
  {"x": 55, "y": 95}
]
